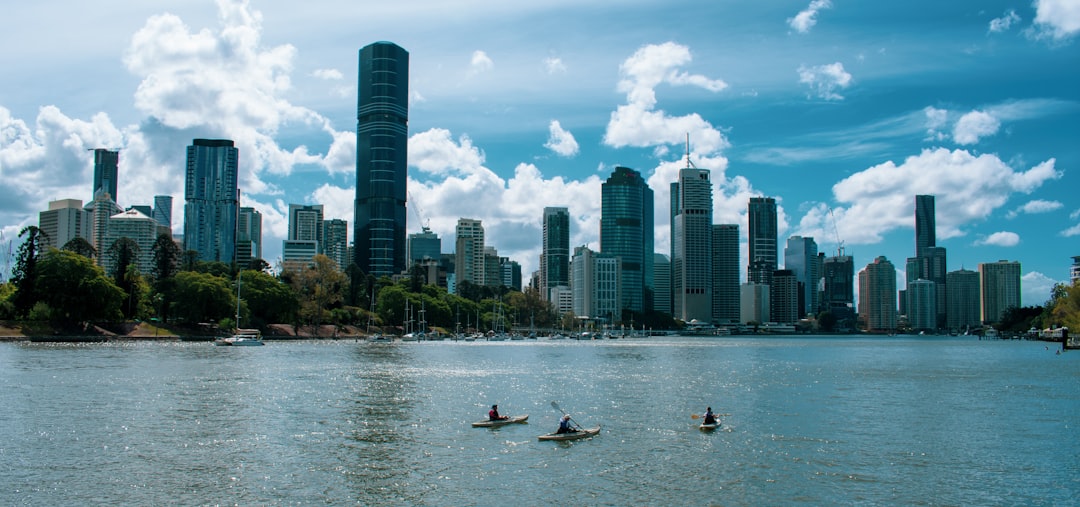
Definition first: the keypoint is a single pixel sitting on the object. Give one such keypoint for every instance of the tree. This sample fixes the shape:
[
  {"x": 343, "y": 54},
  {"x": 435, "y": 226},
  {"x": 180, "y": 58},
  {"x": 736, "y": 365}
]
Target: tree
[
  {"x": 266, "y": 299},
  {"x": 320, "y": 288},
  {"x": 77, "y": 290},
  {"x": 24, "y": 276},
  {"x": 81, "y": 246},
  {"x": 166, "y": 258},
  {"x": 259, "y": 265},
  {"x": 1066, "y": 311},
  {"x": 205, "y": 297},
  {"x": 124, "y": 254}
]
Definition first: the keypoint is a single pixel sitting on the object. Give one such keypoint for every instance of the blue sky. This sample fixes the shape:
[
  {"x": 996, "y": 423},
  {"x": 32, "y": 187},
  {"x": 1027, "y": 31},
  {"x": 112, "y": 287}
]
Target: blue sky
[{"x": 842, "y": 111}]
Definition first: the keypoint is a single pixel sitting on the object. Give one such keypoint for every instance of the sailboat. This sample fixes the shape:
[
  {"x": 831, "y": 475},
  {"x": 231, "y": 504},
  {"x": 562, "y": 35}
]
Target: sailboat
[{"x": 241, "y": 337}]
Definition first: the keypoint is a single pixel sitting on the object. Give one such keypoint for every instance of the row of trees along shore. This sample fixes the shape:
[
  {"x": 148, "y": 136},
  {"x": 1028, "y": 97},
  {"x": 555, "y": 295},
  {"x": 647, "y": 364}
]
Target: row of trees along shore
[{"x": 66, "y": 288}]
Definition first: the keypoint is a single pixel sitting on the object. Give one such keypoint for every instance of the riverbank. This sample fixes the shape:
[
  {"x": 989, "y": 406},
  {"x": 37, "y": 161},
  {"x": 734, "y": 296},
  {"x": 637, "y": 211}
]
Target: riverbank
[{"x": 23, "y": 331}]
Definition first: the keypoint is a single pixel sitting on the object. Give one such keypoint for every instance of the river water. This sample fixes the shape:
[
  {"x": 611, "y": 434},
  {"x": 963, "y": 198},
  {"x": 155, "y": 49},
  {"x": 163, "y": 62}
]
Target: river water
[{"x": 813, "y": 421}]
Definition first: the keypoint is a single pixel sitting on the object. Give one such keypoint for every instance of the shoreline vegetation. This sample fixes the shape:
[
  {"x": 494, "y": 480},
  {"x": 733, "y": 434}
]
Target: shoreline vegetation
[{"x": 37, "y": 331}]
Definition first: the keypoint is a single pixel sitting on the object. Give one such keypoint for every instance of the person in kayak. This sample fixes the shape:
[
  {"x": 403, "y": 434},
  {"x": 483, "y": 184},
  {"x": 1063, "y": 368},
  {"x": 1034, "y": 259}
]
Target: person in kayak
[
  {"x": 493, "y": 414},
  {"x": 565, "y": 425},
  {"x": 710, "y": 418}
]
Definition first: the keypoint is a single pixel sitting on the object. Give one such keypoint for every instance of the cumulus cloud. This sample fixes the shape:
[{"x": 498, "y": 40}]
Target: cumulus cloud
[
  {"x": 328, "y": 74},
  {"x": 1035, "y": 207},
  {"x": 554, "y": 65},
  {"x": 561, "y": 141},
  {"x": 975, "y": 125},
  {"x": 935, "y": 120},
  {"x": 807, "y": 18},
  {"x": 1035, "y": 288},
  {"x": 1002, "y": 238},
  {"x": 480, "y": 62},
  {"x": 968, "y": 187},
  {"x": 1005, "y": 22},
  {"x": 1056, "y": 20},
  {"x": 825, "y": 80},
  {"x": 638, "y": 123}
]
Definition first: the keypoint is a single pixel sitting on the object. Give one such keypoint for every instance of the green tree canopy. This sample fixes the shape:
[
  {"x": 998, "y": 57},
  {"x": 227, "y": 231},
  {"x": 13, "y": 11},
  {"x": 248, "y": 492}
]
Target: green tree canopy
[
  {"x": 202, "y": 297},
  {"x": 81, "y": 246},
  {"x": 75, "y": 289},
  {"x": 267, "y": 299},
  {"x": 24, "y": 276}
]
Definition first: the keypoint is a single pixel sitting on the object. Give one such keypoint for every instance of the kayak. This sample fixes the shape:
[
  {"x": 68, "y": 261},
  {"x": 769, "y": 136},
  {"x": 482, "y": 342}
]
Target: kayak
[
  {"x": 709, "y": 427},
  {"x": 588, "y": 432},
  {"x": 501, "y": 422}
]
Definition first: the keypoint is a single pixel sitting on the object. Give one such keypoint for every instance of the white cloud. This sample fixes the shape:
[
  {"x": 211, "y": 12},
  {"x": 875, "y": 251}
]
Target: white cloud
[
  {"x": 825, "y": 80},
  {"x": 561, "y": 141},
  {"x": 1058, "y": 20},
  {"x": 1002, "y": 238},
  {"x": 554, "y": 65},
  {"x": 328, "y": 74},
  {"x": 1034, "y": 207},
  {"x": 435, "y": 153},
  {"x": 1035, "y": 288},
  {"x": 1005, "y": 22},
  {"x": 806, "y": 19},
  {"x": 480, "y": 62},
  {"x": 1071, "y": 231},
  {"x": 935, "y": 120},
  {"x": 638, "y": 123},
  {"x": 968, "y": 188},
  {"x": 974, "y": 125}
]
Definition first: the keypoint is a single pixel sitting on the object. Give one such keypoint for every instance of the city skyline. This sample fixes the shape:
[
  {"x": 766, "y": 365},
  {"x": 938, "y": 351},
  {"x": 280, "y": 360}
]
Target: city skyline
[{"x": 808, "y": 103}]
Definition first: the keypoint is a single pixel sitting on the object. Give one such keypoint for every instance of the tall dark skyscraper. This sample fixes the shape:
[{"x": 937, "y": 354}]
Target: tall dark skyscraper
[
  {"x": 212, "y": 200},
  {"x": 626, "y": 232},
  {"x": 555, "y": 256},
  {"x": 925, "y": 225},
  {"x": 725, "y": 292},
  {"x": 382, "y": 135},
  {"x": 106, "y": 170},
  {"x": 762, "y": 239},
  {"x": 691, "y": 245}
]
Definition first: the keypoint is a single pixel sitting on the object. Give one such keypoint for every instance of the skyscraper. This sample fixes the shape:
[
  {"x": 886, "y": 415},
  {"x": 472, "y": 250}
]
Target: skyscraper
[
  {"x": 163, "y": 210},
  {"x": 469, "y": 252},
  {"x": 248, "y": 236},
  {"x": 555, "y": 256},
  {"x": 1000, "y": 284},
  {"x": 877, "y": 292},
  {"x": 64, "y": 221},
  {"x": 784, "y": 297},
  {"x": 691, "y": 245},
  {"x": 595, "y": 285},
  {"x": 838, "y": 292},
  {"x": 106, "y": 170},
  {"x": 626, "y": 232},
  {"x": 725, "y": 291},
  {"x": 762, "y": 243},
  {"x": 306, "y": 222},
  {"x": 335, "y": 242},
  {"x": 922, "y": 305},
  {"x": 801, "y": 257},
  {"x": 662, "y": 283},
  {"x": 925, "y": 223},
  {"x": 963, "y": 300},
  {"x": 212, "y": 199},
  {"x": 382, "y": 119},
  {"x": 424, "y": 245}
]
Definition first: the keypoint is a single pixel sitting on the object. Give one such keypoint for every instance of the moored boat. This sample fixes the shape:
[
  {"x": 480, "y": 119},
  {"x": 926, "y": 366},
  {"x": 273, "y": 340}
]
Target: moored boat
[
  {"x": 242, "y": 338},
  {"x": 487, "y": 423},
  {"x": 582, "y": 433}
]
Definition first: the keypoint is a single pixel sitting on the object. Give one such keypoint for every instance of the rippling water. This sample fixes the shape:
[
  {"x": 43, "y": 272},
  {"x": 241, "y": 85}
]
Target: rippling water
[{"x": 814, "y": 421}]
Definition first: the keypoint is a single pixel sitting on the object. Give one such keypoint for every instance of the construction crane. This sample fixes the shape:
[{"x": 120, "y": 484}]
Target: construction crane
[
  {"x": 416, "y": 210},
  {"x": 836, "y": 230}
]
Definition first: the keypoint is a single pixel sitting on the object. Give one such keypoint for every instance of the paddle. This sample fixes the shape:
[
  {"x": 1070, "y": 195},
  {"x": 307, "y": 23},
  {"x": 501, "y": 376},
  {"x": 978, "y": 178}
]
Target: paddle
[
  {"x": 556, "y": 407},
  {"x": 695, "y": 416}
]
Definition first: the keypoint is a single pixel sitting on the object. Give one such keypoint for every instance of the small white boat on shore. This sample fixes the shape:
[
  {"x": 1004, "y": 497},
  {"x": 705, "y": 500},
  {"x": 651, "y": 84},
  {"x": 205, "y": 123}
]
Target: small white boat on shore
[{"x": 242, "y": 338}]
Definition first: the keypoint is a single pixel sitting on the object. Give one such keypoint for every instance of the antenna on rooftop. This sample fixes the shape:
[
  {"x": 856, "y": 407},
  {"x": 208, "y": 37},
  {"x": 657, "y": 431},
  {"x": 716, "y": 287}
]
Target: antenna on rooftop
[{"x": 689, "y": 164}]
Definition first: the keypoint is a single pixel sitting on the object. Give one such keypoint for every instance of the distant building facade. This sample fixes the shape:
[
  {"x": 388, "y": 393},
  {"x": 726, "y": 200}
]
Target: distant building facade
[
  {"x": 555, "y": 251},
  {"x": 1000, "y": 284},
  {"x": 626, "y": 232},
  {"x": 877, "y": 292},
  {"x": 64, "y": 221},
  {"x": 212, "y": 199},
  {"x": 726, "y": 293},
  {"x": 963, "y": 300},
  {"x": 691, "y": 245},
  {"x": 761, "y": 241}
]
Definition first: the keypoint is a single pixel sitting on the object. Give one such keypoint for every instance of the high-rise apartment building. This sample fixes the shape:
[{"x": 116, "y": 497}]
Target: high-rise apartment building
[
  {"x": 691, "y": 245},
  {"x": 626, "y": 232},
  {"x": 662, "y": 283},
  {"x": 754, "y": 303},
  {"x": 877, "y": 295},
  {"x": 106, "y": 171},
  {"x": 335, "y": 242},
  {"x": 1000, "y": 284},
  {"x": 64, "y": 221},
  {"x": 725, "y": 290},
  {"x": 138, "y": 227},
  {"x": 212, "y": 199},
  {"x": 595, "y": 285},
  {"x": 101, "y": 209},
  {"x": 922, "y": 305},
  {"x": 555, "y": 253},
  {"x": 801, "y": 257},
  {"x": 762, "y": 242},
  {"x": 382, "y": 120},
  {"x": 306, "y": 222},
  {"x": 784, "y": 297},
  {"x": 469, "y": 252},
  {"x": 963, "y": 300}
]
